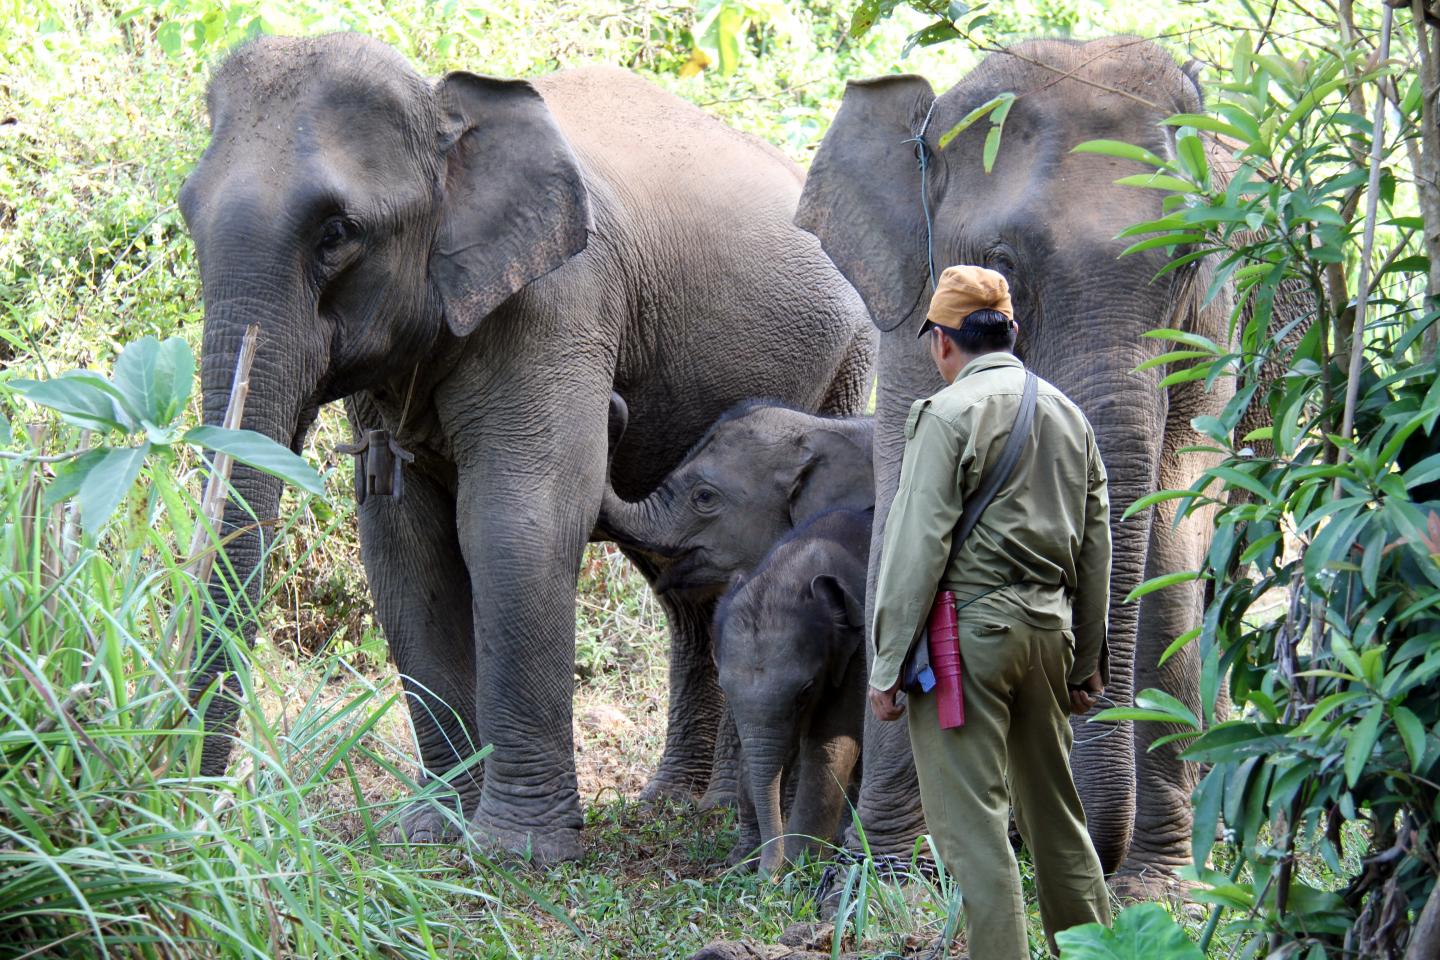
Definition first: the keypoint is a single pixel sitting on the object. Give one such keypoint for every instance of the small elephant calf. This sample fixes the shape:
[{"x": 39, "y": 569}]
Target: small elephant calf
[{"x": 789, "y": 645}]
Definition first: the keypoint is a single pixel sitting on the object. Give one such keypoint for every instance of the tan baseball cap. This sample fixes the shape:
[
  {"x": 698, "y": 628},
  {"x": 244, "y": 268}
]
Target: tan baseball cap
[{"x": 961, "y": 291}]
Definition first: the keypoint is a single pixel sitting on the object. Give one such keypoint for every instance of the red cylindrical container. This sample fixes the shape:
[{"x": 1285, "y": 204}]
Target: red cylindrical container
[{"x": 944, "y": 631}]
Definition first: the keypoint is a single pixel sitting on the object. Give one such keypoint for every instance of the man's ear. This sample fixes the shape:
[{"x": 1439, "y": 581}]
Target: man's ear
[{"x": 514, "y": 204}]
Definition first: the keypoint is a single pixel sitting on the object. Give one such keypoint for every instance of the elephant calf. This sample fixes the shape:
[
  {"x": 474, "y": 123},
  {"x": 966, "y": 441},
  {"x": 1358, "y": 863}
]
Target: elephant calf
[
  {"x": 760, "y": 471},
  {"x": 792, "y": 665}
]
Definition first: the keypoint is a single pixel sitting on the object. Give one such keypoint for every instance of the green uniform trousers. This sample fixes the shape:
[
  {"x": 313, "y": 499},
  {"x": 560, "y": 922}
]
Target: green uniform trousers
[{"x": 1016, "y": 732}]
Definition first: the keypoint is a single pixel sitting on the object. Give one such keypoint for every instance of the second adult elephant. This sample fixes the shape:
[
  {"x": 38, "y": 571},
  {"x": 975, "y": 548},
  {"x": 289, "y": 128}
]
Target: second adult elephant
[
  {"x": 1047, "y": 218},
  {"x": 475, "y": 265}
]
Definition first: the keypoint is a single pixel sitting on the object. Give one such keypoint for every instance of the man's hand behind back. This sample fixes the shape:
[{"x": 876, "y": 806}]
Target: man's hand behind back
[
  {"x": 1083, "y": 697},
  {"x": 883, "y": 705}
]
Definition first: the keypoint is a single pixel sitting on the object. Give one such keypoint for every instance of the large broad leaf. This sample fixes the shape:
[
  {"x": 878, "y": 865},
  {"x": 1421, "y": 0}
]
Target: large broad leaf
[
  {"x": 70, "y": 476},
  {"x": 87, "y": 400},
  {"x": 260, "y": 452},
  {"x": 1142, "y": 932},
  {"x": 156, "y": 377},
  {"x": 870, "y": 12},
  {"x": 106, "y": 484},
  {"x": 1361, "y": 743}
]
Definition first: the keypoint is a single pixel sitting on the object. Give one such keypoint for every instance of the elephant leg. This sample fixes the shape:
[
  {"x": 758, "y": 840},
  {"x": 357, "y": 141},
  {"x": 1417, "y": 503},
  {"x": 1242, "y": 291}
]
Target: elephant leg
[
  {"x": 747, "y": 822},
  {"x": 696, "y": 700},
  {"x": 889, "y": 805},
  {"x": 523, "y": 535},
  {"x": 1164, "y": 782},
  {"x": 849, "y": 390},
  {"x": 422, "y": 602},
  {"x": 725, "y": 767},
  {"x": 823, "y": 769}
]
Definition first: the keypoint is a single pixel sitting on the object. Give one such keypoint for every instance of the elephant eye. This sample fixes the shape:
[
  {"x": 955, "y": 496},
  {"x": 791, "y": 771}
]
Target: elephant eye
[
  {"x": 705, "y": 498},
  {"x": 337, "y": 230}
]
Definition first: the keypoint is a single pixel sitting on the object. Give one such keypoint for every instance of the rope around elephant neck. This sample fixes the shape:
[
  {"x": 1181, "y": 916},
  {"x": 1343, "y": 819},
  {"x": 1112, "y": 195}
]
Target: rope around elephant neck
[
  {"x": 922, "y": 155},
  {"x": 405, "y": 407}
]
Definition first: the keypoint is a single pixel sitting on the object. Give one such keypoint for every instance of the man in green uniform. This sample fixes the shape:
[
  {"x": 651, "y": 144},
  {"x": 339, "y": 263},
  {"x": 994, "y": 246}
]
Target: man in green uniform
[{"x": 1032, "y": 582}]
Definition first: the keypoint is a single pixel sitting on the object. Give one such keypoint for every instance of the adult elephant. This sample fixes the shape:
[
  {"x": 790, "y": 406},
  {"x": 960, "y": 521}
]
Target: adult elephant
[
  {"x": 1047, "y": 219},
  {"x": 475, "y": 264}
]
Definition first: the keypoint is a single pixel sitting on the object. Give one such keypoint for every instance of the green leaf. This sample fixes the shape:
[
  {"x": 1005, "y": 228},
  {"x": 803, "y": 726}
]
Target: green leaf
[
  {"x": 992, "y": 147},
  {"x": 1173, "y": 356},
  {"x": 1159, "y": 700},
  {"x": 171, "y": 37},
  {"x": 1212, "y": 427},
  {"x": 869, "y": 13},
  {"x": 69, "y": 476},
  {"x": 1412, "y": 732},
  {"x": 85, "y": 399},
  {"x": 1125, "y": 151},
  {"x": 1201, "y": 121},
  {"x": 1191, "y": 152},
  {"x": 1194, "y": 340},
  {"x": 260, "y": 452},
  {"x": 1166, "y": 240},
  {"x": 1142, "y": 932},
  {"x": 106, "y": 483},
  {"x": 1180, "y": 643},
  {"x": 1117, "y": 714},
  {"x": 1151, "y": 499},
  {"x": 1207, "y": 799},
  {"x": 1161, "y": 582},
  {"x": 1233, "y": 740},
  {"x": 1160, "y": 181},
  {"x": 1361, "y": 743},
  {"x": 1233, "y": 477},
  {"x": 969, "y": 120},
  {"x": 937, "y": 32},
  {"x": 156, "y": 377}
]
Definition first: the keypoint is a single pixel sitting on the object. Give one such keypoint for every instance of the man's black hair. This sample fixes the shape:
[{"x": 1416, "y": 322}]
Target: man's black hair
[{"x": 984, "y": 331}]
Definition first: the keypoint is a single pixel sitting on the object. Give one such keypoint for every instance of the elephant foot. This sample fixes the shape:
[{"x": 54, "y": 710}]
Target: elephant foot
[
  {"x": 541, "y": 846},
  {"x": 723, "y": 792},
  {"x": 428, "y": 821},
  {"x": 1134, "y": 883},
  {"x": 674, "y": 787},
  {"x": 895, "y": 840}
]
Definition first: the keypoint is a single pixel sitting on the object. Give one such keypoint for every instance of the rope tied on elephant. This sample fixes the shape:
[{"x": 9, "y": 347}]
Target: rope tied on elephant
[
  {"x": 922, "y": 156},
  {"x": 382, "y": 471}
]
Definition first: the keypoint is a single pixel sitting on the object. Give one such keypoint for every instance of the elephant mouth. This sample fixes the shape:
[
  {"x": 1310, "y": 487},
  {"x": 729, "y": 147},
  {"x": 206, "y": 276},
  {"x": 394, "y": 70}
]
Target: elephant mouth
[
  {"x": 688, "y": 573},
  {"x": 308, "y": 414}
]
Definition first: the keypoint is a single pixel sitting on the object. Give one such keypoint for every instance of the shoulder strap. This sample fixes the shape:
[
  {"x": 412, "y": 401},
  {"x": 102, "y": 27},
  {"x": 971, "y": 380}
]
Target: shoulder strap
[{"x": 997, "y": 475}]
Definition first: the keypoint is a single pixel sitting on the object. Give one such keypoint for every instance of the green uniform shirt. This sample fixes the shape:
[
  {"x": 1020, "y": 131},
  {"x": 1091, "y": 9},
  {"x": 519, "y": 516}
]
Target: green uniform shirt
[{"x": 1044, "y": 541}]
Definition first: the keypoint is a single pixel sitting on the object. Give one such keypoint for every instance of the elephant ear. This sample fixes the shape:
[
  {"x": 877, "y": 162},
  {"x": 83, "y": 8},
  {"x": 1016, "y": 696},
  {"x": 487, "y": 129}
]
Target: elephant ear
[
  {"x": 833, "y": 473},
  {"x": 514, "y": 205},
  {"x": 862, "y": 195},
  {"x": 847, "y": 611}
]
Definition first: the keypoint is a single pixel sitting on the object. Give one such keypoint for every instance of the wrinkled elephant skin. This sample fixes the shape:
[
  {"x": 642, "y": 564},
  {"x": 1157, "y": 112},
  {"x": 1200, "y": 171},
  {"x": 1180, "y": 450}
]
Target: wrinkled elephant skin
[
  {"x": 477, "y": 265},
  {"x": 1047, "y": 218}
]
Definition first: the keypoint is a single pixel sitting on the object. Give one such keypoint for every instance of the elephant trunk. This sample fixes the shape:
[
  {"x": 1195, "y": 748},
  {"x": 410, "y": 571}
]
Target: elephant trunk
[
  {"x": 765, "y": 765},
  {"x": 280, "y": 406},
  {"x": 639, "y": 524},
  {"x": 1127, "y": 412}
]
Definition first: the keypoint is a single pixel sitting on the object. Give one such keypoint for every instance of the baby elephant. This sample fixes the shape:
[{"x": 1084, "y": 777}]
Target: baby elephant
[{"x": 792, "y": 664}]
